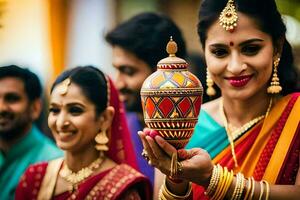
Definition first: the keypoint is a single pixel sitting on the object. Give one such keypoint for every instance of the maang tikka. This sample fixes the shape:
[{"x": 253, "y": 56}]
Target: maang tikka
[
  {"x": 228, "y": 17},
  {"x": 64, "y": 86}
]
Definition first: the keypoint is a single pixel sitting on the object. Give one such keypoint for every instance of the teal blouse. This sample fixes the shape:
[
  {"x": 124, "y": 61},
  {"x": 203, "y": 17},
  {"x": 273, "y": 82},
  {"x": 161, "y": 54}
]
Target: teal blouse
[{"x": 208, "y": 135}]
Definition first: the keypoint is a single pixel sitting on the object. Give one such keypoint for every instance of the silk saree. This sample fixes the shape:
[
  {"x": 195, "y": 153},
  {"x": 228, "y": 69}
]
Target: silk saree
[
  {"x": 120, "y": 182},
  {"x": 268, "y": 151}
]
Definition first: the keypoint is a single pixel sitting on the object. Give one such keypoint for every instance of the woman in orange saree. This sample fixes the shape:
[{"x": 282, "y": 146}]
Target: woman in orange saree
[
  {"x": 88, "y": 122},
  {"x": 267, "y": 151},
  {"x": 246, "y": 144}
]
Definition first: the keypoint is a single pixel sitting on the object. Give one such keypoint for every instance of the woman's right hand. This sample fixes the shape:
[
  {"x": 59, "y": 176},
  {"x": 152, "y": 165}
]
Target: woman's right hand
[{"x": 196, "y": 163}]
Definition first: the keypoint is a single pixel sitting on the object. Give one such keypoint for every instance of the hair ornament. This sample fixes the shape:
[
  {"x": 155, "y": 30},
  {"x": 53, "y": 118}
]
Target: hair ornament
[
  {"x": 228, "y": 17},
  {"x": 63, "y": 87}
]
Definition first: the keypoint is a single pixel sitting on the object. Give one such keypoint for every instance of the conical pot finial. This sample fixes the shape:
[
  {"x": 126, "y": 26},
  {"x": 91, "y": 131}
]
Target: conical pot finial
[{"x": 171, "y": 47}]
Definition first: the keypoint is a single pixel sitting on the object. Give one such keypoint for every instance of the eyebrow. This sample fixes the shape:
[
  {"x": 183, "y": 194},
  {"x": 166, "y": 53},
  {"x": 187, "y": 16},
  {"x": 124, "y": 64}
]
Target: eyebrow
[
  {"x": 68, "y": 104},
  {"x": 241, "y": 44},
  {"x": 250, "y": 41}
]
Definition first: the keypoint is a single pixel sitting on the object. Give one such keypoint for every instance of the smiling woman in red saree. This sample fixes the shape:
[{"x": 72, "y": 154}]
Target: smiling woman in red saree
[{"x": 99, "y": 161}]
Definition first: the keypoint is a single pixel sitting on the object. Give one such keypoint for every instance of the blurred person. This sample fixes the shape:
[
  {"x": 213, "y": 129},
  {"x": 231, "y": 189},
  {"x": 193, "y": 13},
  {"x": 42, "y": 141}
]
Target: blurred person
[
  {"x": 246, "y": 143},
  {"x": 21, "y": 142},
  {"x": 88, "y": 123},
  {"x": 138, "y": 44}
]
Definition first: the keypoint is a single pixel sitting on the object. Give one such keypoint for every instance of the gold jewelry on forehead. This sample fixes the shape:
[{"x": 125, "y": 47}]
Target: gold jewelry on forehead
[
  {"x": 228, "y": 17},
  {"x": 63, "y": 87}
]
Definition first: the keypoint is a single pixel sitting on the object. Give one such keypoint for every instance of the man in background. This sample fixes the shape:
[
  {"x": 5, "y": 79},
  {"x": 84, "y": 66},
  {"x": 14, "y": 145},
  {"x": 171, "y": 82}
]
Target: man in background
[
  {"x": 138, "y": 44},
  {"x": 21, "y": 143}
]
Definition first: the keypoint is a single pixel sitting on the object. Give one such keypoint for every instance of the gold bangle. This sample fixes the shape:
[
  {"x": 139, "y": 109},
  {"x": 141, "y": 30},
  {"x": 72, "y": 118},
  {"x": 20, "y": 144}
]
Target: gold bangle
[
  {"x": 241, "y": 187},
  {"x": 213, "y": 183},
  {"x": 228, "y": 182},
  {"x": 252, "y": 188},
  {"x": 219, "y": 184},
  {"x": 165, "y": 194},
  {"x": 248, "y": 189},
  {"x": 261, "y": 185},
  {"x": 174, "y": 169},
  {"x": 267, "y": 189},
  {"x": 237, "y": 186}
]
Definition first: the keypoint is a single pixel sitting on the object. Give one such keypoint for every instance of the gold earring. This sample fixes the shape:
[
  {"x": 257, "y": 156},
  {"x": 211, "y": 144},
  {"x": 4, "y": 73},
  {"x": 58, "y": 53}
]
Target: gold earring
[
  {"x": 210, "y": 91},
  {"x": 101, "y": 140},
  {"x": 275, "y": 87}
]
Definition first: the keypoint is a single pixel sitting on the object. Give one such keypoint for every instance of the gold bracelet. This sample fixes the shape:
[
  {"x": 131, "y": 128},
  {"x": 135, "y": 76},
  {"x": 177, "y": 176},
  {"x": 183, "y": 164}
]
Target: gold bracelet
[
  {"x": 173, "y": 170},
  {"x": 165, "y": 194},
  {"x": 248, "y": 189},
  {"x": 238, "y": 185},
  {"x": 267, "y": 189},
  {"x": 261, "y": 185},
  {"x": 213, "y": 183},
  {"x": 220, "y": 183},
  {"x": 241, "y": 187},
  {"x": 228, "y": 182},
  {"x": 252, "y": 189}
]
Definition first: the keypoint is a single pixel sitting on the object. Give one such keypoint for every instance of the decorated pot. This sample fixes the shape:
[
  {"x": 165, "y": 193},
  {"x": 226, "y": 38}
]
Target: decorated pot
[{"x": 171, "y": 99}]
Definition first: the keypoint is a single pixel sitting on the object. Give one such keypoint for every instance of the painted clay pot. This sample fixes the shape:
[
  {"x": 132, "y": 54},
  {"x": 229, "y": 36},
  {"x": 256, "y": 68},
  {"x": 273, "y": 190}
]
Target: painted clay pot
[{"x": 171, "y": 99}]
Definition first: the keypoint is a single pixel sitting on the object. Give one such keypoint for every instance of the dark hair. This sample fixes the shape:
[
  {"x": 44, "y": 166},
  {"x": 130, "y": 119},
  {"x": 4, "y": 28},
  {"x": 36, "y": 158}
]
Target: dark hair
[
  {"x": 146, "y": 36},
  {"x": 92, "y": 82},
  {"x": 268, "y": 18},
  {"x": 31, "y": 81}
]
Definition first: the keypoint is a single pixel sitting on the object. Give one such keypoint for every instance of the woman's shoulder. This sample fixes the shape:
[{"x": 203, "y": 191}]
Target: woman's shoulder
[
  {"x": 31, "y": 180},
  {"x": 212, "y": 108}
]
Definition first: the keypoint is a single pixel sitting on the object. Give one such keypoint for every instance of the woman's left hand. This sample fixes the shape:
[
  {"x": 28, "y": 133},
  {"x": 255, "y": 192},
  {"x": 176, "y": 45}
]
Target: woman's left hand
[{"x": 196, "y": 163}]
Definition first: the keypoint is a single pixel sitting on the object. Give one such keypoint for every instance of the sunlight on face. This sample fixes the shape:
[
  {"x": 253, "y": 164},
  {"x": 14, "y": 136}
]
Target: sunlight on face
[{"x": 240, "y": 62}]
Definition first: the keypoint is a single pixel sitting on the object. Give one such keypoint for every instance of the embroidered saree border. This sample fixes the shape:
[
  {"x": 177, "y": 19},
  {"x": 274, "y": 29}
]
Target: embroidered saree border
[
  {"x": 286, "y": 137},
  {"x": 112, "y": 184},
  {"x": 252, "y": 157},
  {"x": 49, "y": 180}
]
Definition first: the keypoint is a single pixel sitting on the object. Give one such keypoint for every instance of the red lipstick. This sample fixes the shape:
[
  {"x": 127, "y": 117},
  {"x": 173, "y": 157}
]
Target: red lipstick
[{"x": 239, "y": 81}]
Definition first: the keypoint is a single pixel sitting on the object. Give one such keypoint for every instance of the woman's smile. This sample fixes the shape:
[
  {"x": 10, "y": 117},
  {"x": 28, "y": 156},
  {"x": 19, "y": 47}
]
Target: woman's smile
[{"x": 239, "y": 81}]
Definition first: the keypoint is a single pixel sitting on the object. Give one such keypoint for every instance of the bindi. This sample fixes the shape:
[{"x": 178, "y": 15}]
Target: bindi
[{"x": 231, "y": 43}]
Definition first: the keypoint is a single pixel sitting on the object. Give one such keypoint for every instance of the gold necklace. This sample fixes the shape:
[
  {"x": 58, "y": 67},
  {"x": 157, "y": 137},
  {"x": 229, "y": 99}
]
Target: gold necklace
[
  {"x": 233, "y": 132},
  {"x": 76, "y": 177}
]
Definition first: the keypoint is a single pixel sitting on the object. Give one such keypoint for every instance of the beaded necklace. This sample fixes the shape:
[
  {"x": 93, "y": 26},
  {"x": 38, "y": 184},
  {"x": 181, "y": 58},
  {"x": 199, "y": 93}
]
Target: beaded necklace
[
  {"x": 76, "y": 177},
  {"x": 233, "y": 132}
]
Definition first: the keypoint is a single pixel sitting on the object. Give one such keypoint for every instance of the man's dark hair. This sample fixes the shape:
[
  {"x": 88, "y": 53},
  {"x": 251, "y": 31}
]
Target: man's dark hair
[
  {"x": 146, "y": 36},
  {"x": 31, "y": 81}
]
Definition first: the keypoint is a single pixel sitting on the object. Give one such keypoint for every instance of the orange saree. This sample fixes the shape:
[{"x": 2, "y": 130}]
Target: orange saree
[{"x": 269, "y": 150}]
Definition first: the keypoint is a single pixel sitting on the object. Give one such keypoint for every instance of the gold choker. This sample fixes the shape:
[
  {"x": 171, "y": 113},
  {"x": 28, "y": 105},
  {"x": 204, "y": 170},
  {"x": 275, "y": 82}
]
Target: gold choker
[
  {"x": 76, "y": 177},
  {"x": 233, "y": 133}
]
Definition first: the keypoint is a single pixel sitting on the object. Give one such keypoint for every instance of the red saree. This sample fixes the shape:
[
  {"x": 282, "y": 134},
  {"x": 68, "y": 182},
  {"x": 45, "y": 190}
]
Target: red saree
[
  {"x": 120, "y": 182},
  {"x": 270, "y": 150}
]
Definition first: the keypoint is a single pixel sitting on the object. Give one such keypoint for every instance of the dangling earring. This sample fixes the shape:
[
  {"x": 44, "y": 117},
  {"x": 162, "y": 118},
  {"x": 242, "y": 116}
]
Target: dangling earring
[
  {"x": 275, "y": 87},
  {"x": 210, "y": 91},
  {"x": 101, "y": 140}
]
